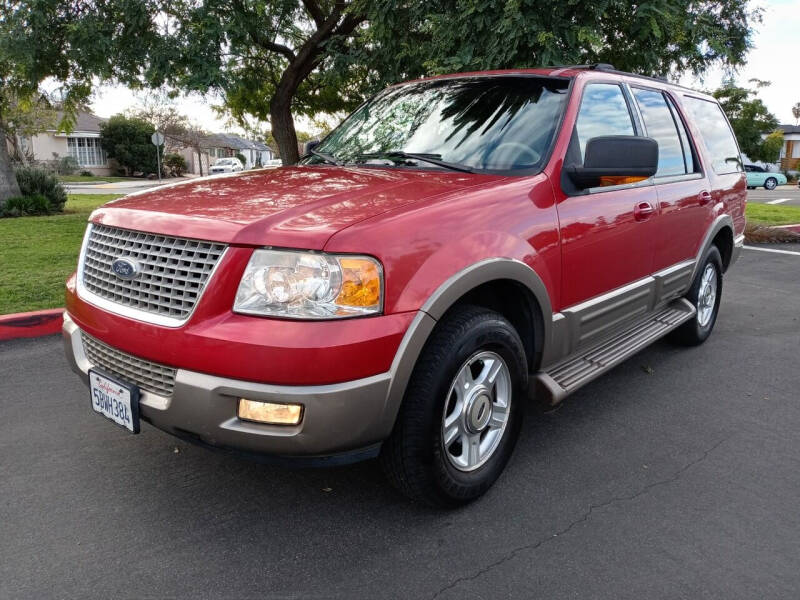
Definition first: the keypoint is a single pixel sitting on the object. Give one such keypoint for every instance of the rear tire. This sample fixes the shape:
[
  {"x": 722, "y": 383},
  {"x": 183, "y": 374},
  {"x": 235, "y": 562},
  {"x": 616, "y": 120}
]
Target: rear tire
[
  {"x": 705, "y": 294},
  {"x": 771, "y": 183},
  {"x": 457, "y": 427}
]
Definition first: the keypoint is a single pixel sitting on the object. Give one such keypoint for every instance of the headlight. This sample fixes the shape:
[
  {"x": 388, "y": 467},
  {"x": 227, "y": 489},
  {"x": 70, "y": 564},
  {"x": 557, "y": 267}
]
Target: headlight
[{"x": 306, "y": 285}]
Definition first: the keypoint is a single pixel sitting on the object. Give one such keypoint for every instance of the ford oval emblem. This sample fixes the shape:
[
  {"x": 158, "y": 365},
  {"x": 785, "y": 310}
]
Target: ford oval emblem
[{"x": 125, "y": 268}]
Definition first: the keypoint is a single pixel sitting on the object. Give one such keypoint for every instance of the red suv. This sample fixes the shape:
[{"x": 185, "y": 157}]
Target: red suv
[{"x": 457, "y": 247}]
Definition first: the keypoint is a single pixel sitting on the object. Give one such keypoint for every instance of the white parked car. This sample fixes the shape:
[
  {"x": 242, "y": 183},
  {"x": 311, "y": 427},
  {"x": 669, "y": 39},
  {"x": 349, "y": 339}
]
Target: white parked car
[{"x": 226, "y": 165}]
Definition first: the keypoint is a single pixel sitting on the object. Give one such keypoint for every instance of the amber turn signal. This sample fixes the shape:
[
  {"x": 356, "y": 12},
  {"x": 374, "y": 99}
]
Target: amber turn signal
[
  {"x": 361, "y": 283},
  {"x": 270, "y": 412},
  {"x": 620, "y": 179}
]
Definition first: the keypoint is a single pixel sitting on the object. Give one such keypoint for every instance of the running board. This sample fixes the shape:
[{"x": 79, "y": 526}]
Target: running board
[{"x": 551, "y": 386}]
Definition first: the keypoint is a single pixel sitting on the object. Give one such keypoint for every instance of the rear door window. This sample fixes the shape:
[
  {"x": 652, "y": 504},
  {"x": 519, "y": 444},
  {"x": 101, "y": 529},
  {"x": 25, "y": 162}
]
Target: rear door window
[
  {"x": 603, "y": 111},
  {"x": 717, "y": 135},
  {"x": 660, "y": 125}
]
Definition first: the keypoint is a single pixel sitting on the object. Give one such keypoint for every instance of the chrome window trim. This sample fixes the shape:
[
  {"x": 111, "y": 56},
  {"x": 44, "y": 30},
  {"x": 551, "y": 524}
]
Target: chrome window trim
[{"x": 135, "y": 313}]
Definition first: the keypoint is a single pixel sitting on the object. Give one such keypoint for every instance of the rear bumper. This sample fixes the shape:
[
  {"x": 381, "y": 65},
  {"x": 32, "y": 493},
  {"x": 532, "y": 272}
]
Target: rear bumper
[{"x": 338, "y": 417}]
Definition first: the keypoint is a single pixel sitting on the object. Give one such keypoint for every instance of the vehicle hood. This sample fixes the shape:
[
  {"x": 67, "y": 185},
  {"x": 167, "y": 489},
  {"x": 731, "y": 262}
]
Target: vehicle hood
[{"x": 299, "y": 207}]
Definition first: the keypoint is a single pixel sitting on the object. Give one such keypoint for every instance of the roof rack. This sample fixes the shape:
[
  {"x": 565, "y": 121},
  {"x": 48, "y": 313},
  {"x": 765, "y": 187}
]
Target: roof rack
[
  {"x": 611, "y": 69},
  {"x": 588, "y": 67}
]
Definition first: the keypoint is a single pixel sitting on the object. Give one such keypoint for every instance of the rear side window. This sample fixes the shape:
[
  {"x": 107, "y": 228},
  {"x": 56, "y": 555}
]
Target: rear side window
[
  {"x": 660, "y": 125},
  {"x": 717, "y": 135},
  {"x": 603, "y": 112}
]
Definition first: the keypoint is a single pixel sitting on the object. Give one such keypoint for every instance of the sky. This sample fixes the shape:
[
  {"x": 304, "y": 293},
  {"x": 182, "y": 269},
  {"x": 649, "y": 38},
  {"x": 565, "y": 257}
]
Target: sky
[{"x": 775, "y": 58}]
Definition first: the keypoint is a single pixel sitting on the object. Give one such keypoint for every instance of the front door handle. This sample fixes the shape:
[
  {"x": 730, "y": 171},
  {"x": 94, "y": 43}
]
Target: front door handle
[
  {"x": 704, "y": 197},
  {"x": 643, "y": 210}
]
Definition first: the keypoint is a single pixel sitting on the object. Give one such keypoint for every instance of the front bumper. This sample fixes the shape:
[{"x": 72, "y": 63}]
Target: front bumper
[{"x": 338, "y": 417}]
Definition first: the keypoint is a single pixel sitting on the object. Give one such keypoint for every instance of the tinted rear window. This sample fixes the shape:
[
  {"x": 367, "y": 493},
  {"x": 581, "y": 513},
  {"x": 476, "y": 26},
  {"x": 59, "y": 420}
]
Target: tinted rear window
[{"x": 717, "y": 135}]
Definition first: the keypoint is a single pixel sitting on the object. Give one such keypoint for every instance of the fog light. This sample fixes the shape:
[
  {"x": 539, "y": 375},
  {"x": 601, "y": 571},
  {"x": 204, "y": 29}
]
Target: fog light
[{"x": 270, "y": 412}]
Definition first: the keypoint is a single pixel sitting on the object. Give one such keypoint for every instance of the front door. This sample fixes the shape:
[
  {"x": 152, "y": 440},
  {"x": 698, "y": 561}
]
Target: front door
[{"x": 607, "y": 233}]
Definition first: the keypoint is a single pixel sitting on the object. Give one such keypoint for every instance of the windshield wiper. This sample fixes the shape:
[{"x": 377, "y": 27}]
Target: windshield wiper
[
  {"x": 428, "y": 158},
  {"x": 328, "y": 158}
]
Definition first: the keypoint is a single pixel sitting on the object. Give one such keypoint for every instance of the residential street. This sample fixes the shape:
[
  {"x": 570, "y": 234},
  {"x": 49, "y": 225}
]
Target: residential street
[
  {"x": 118, "y": 187},
  {"x": 785, "y": 195},
  {"x": 674, "y": 476}
]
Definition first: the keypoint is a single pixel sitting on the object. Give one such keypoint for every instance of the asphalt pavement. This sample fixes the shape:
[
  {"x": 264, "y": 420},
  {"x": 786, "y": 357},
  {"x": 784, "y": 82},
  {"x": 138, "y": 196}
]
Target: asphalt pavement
[
  {"x": 676, "y": 475},
  {"x": 786, "y": 195}
]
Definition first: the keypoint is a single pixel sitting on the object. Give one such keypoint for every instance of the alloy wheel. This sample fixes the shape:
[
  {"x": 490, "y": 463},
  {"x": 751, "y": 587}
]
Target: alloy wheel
[
  {"x": 707, "y": 296},
  {"x": 476, "y": 411}
]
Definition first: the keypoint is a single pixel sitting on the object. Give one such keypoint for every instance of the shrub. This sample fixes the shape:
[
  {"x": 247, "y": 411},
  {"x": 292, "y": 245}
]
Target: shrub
[
  {"x": 86, "y": 173},
  {"x": 67, "y": 165},
  {"x": 19, "y": 206},
  {"x": 241, "y": 158},
  {"x": 174, "y": 164},
  {"x": 38, "y": 182},
  {"x": 127, "y": 140}
]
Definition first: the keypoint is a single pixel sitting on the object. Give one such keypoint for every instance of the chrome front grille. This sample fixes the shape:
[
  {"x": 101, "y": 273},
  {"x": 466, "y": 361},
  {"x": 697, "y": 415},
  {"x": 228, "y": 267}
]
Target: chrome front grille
[
  {"x": 172, "y": 271},
  {"x": 147, "y": 375}
]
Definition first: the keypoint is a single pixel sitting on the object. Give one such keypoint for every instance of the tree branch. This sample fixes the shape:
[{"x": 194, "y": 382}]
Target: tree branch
[
  {"x": 313, "y": 9},
  {"x": 259, "y": 38}
]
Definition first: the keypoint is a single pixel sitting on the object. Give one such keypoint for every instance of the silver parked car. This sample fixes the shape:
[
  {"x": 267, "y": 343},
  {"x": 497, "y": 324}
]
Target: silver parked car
[{"x": 226, "y": 165}]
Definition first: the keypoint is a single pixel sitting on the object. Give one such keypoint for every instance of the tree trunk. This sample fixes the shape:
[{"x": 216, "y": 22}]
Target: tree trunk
[
  {"x": 280, "y": 116},
  {"x": 8, "y": 181}
]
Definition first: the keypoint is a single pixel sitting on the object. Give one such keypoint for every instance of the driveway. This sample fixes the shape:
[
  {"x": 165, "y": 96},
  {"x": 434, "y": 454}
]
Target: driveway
[{"x": 677, "y": 475}]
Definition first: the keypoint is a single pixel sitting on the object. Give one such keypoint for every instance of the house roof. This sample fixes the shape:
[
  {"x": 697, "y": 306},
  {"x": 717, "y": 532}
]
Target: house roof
[
  {"x": 85, "y": 121},
  {"x": 229, "y": 140},
  {"x": 789, "y": 128}
]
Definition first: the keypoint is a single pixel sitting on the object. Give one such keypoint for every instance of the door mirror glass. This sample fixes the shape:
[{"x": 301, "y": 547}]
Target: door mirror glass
[{"x": 615, "y": 160}]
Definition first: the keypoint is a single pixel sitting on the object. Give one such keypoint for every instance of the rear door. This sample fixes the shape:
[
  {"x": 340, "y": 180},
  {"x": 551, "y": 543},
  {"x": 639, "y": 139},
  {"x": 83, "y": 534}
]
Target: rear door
[
  {"x": 721, "y": 159},
  {"x": 684, "y": 192}
]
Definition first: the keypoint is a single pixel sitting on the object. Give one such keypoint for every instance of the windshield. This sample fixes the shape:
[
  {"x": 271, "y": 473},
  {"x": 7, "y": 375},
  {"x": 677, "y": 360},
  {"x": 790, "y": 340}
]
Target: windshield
[
  {"x": 495, "y": 123},
  {"x": 224, "y": 161}
]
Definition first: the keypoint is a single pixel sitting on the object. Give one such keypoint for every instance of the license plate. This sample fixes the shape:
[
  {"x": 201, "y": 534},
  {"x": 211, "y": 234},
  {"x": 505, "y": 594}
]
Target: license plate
[{"x": 115, "y": 400}]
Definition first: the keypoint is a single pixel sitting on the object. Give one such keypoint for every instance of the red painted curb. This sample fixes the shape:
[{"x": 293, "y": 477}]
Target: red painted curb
[{"x": 31, "y": 324}]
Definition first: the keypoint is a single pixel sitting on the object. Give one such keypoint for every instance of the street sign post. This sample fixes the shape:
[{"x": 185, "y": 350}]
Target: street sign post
[{"x": 158, "y": 140}]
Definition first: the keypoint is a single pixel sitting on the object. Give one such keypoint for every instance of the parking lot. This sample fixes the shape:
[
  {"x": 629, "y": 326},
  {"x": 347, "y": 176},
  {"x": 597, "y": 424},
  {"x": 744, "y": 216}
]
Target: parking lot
[
  {"x": 786, "y": 195},
  {"x": 674, "y": 476}
]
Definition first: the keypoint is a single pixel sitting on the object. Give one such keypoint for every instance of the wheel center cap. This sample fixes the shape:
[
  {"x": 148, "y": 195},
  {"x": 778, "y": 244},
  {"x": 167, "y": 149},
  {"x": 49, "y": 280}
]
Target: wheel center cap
[{"x": 479, "y": 412}]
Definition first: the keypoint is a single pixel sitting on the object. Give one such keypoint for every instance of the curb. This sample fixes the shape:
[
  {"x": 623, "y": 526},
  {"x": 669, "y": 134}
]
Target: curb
[
  {"x": 31, "y": 324},
  {"x": 795, "y": 227}
]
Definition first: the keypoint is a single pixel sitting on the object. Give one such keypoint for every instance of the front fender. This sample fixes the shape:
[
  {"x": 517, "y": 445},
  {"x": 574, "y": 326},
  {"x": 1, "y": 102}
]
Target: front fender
[{"x": 456, "y": 268}]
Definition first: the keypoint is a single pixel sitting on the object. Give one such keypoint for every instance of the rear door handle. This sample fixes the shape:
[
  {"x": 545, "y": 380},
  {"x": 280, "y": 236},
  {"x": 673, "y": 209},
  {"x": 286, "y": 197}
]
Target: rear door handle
[
  {"x": 704, "y": 197},
  {"x": 643, "y": 210}
]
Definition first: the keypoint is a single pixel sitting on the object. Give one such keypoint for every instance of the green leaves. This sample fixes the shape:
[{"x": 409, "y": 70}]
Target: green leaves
[{"x": 750, "y": 119}]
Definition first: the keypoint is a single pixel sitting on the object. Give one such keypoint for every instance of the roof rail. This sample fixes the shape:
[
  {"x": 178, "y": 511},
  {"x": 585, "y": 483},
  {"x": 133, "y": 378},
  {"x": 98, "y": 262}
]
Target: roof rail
[{"x": 588, "y": 67}]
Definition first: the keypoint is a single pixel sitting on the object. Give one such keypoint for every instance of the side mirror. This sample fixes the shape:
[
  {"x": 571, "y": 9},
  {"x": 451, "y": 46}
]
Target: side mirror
[
  {"x": 616, "y": 159},
  {"x": 311, "y": 145}
]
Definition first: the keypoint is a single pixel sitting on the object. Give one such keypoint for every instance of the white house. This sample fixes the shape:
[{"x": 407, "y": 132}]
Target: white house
[{"x": 83, "y": 143}]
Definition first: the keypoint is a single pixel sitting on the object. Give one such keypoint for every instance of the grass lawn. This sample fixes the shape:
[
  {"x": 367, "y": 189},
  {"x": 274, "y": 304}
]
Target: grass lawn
[
  {"x": 92, "y": 178},
  {"x": 773, "y": 214},
  {"x": 37, "y": 254}
]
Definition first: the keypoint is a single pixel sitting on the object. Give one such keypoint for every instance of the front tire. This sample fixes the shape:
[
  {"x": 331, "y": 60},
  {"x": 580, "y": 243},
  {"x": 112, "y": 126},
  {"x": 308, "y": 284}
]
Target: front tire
[
  {"x": 771, "y": 183},
  {"x": 705, "y": 294},
  {"x": 462, "y": 410}
]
